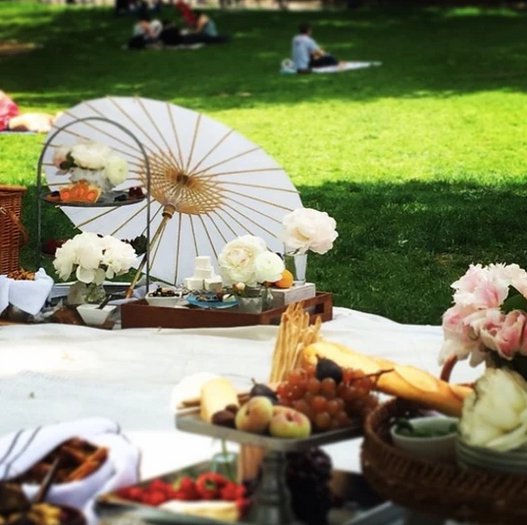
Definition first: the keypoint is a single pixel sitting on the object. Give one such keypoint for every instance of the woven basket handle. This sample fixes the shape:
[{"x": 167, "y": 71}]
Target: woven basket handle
[
  {"x": 448, "y": 366},
  {"x": 16, "y": 221}
]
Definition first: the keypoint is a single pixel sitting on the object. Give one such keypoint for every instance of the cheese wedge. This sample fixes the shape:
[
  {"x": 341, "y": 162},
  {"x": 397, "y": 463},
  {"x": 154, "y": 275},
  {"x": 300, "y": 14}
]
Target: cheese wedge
[
  {"x": 216, "y": 394},
  {"x": 218, "y": 510}
]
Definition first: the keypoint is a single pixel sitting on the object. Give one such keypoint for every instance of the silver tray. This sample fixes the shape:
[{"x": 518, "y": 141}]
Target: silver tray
[
  {"x": 190, "y": 421},
  {"x": 113, "y": 510}
]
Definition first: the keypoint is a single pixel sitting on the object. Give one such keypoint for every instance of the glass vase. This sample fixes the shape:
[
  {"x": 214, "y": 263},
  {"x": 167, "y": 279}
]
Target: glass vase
[
  {"x": 518, "y": 363},
  {"x": 81, "y": 293},
  {"x": 93, "y": 177},
  {"x": 252, "y": 300},
  {"x": 296, "y": 263}
]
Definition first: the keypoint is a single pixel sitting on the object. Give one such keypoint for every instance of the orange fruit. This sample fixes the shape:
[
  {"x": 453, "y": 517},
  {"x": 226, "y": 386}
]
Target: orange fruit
[{"x": 286, "y": 281}]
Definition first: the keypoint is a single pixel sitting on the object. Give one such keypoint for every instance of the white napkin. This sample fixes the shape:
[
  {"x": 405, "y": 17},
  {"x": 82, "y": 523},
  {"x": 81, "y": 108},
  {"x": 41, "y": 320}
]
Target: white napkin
[
  {"x": 20, "y": 450},
  {"x": 28, "y": 296}
]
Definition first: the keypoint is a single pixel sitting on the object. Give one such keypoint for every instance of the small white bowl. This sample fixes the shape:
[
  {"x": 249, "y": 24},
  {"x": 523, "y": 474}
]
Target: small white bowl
[
  {"x": 92, "y": 315},
  {"x": 435, "y": 448},
  {"x": 168, "y": 301}
]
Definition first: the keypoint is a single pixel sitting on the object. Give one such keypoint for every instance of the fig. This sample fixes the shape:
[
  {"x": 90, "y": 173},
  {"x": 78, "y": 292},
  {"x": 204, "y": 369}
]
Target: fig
[
  {"x": 328, "y": 368},
  {"x": 224, "y": 418},
  {"x": 260, "y": 389}
]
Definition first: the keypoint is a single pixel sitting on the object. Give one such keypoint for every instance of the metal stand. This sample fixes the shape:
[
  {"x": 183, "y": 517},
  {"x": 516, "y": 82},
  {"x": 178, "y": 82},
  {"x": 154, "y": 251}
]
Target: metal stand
[
  {"x": 147, "y": 169},
  {"x": 271, "y": 504}
]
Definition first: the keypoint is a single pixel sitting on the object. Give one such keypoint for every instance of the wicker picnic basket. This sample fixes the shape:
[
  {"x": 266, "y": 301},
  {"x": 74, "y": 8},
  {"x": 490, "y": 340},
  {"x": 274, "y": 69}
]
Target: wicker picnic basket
[
  {"x": 441, "y": 489},
  {"x": 12, "y": 233}
]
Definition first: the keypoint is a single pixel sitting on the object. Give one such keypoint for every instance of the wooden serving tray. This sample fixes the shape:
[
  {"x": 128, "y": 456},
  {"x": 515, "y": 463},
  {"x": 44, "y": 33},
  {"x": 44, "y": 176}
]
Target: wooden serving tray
[{"x": 139, "y": 314}]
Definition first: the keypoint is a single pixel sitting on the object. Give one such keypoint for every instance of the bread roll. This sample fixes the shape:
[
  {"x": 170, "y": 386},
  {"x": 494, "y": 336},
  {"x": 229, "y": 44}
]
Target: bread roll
[
  {"x": 216, "y": 394},
  {"x": 403, "y": 381}
]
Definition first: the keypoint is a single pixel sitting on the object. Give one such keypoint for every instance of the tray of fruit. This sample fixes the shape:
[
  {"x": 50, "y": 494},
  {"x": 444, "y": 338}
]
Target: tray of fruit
[
  {"x": 195, "y": 494},
  {"x": 312, "y": 406}
]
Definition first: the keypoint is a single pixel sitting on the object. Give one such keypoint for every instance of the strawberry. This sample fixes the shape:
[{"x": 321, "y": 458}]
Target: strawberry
[
  {"x": 232, "y": 491},
  {"x": 209, "y": 485}
]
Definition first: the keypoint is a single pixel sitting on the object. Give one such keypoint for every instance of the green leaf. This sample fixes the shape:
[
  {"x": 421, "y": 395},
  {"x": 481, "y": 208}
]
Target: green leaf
[{"x": 515, "y": 301}]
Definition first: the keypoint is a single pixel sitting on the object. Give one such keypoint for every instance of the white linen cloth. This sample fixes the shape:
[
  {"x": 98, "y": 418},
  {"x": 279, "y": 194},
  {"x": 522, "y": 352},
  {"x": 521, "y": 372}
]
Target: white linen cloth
[
  {"x": 51, "y": 373},
  {"x": 28, "y": 296},
  {"x": 22, "y": 449}
]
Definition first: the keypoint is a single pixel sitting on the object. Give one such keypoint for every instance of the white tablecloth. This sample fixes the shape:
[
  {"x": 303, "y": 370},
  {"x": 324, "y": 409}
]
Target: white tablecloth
[{"x": 51, "y": 373}]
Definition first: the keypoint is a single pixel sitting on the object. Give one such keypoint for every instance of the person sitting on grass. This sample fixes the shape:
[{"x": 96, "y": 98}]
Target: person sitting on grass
[
  {"x": 145, "y": 33},
  {"x": 307, "y": 54},
  {"x": 205, "y": 30}
]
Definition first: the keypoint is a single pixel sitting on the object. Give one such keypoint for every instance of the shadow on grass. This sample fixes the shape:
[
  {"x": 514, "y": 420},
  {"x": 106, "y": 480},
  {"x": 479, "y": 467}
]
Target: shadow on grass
[
  {"x": 424, "y": 52},
  {"x": 413, "y": 237},
  {"x": 395, "y": 240}
]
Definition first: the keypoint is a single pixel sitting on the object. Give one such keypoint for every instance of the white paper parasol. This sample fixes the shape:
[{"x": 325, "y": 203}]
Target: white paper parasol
[{"x": 208, "y": 183}]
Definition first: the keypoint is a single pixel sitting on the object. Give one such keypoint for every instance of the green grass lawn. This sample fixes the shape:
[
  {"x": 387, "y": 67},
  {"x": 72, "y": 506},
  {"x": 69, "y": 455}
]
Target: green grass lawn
[{"x": 421, "y": 161}]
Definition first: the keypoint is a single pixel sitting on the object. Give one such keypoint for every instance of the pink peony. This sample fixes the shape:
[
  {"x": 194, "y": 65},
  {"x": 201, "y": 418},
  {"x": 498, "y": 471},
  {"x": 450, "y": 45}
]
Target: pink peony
[
  {"x": 506, "y": 334},
  {"x": 481, "y": 287},
  {"x": 460, "y": 338}
]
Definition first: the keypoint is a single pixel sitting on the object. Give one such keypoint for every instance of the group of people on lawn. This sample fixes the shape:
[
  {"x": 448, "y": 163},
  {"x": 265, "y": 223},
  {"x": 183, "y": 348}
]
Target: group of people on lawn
[{"x": 151, "y": 32}]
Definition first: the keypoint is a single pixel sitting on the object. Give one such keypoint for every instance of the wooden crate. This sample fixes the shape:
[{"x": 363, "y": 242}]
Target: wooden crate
[{"x": 139, "y": 314}]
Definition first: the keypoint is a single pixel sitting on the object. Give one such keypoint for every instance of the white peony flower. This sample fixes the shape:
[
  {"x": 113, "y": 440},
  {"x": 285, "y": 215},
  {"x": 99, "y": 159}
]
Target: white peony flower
[
  {"x": 59, "y": 155},
  {"x": 237, "y": 260},
  {"x": 308, "y": 229},
  {"x": 116, "y": 169},
  {"x": 269, "y": 267},
  {"x": 93, "y": 258},
  {"x": 90, "y": 155}
]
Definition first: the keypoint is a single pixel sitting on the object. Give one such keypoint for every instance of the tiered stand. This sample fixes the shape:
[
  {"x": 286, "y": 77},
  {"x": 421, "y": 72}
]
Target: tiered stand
[
  {"x": 271, "y": 505},
  {"x": 44, "y": 196}
]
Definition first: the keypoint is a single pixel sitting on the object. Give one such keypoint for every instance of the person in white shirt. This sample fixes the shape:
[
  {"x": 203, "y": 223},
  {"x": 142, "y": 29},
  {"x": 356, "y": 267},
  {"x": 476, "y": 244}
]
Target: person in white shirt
[{"x": 307, "y": 54}]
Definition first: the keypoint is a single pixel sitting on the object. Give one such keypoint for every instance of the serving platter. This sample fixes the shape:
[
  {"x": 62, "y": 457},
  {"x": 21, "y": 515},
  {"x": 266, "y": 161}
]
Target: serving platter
[
  {"x": 190, "y": 421},
  {"x": 106, "y": 200},
  {"x": 207, "y": 301},
  {"x": 360, "y": 505}
]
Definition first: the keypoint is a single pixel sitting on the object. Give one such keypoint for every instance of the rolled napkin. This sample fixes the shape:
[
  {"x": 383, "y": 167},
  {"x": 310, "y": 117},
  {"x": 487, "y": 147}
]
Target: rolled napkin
[
  {"x": 19, "y": 451},
  {"x": 28, "y": 296}
]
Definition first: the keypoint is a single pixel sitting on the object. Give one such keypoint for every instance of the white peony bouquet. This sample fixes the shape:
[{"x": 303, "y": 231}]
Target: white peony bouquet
[
  {"x": 308, "y": 229},
  {"x": 93, "y": 258},
  {"x": 246, "y": 262},
  {"x": 93, "y": 162}
]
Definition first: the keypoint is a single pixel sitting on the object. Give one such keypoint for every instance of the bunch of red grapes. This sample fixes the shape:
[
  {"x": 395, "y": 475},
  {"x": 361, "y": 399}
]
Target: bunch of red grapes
[{"x": 330, "y": 396}]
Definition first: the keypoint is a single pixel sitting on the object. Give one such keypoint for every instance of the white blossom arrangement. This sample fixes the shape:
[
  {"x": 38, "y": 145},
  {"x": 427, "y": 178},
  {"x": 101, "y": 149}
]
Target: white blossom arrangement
[
  {"x": 93, "y": 258},
  {"x": 308, "y": 229},
  {"x": 246, "y": 262},
  {"x": 91, "y": 161}
]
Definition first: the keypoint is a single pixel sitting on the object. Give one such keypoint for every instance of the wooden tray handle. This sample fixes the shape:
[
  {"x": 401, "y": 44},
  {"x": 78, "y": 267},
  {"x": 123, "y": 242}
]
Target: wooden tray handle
[{"x": 16, "y": 222}]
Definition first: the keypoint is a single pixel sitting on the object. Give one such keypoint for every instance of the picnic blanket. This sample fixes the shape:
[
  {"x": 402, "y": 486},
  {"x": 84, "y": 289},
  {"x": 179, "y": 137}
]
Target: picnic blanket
[{"x": 288, "y": 67}]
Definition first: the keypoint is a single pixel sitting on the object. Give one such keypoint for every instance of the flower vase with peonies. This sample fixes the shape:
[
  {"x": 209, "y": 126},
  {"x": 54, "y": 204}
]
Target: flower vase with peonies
[
  {"x": 247, "y": 265},
  {"x": 306, "y": 229},
  {"x": 92, "y": 258},
  {"x": 488, "y": 321},
  {"x": 91, "y": 165}
]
